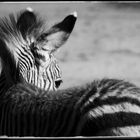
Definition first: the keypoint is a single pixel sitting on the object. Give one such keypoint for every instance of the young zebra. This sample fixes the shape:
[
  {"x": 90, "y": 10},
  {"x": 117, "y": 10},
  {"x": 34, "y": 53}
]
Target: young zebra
[
  {"x": 27, "y": 50},
  {"x": 107, "y": 107}
]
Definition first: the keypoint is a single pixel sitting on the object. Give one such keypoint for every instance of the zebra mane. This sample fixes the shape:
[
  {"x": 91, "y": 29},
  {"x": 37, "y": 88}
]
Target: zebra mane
[
  {"x": 27, "y": 94},
  {"x": 10, "y": 32},
  {"x": 12, "y": 38}
]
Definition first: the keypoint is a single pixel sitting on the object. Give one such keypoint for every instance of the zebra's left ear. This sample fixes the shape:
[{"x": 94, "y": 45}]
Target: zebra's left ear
[
  {"x": 59, "y": 33},
  {"x": 26, "y": 20}
]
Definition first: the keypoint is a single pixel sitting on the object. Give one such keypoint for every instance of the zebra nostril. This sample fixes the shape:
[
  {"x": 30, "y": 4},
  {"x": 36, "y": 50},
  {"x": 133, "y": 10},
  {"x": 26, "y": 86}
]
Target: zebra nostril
[{"x": 58, "y": 83}]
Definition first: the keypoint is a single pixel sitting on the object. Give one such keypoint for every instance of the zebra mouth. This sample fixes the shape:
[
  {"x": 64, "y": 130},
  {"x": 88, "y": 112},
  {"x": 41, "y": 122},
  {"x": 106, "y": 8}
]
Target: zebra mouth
[{"x": 58, "y": 83}]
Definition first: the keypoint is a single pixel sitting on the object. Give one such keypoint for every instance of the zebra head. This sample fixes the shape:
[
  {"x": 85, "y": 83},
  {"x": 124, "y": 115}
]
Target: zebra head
[{"x": 27, "y": 48}]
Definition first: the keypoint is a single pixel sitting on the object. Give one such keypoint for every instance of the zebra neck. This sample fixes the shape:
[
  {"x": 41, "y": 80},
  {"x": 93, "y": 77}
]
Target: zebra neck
[{"x": 4, "y": 84}]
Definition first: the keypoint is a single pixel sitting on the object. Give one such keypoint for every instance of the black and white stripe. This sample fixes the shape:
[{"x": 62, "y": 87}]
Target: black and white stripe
[
  {"x": 44, "y": 79},
  {"x": 89, "y": 110}
]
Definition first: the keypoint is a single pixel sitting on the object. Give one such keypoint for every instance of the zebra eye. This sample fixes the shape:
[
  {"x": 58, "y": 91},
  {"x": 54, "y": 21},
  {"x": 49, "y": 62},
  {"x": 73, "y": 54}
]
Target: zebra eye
[{"x": 58, "y": 83}]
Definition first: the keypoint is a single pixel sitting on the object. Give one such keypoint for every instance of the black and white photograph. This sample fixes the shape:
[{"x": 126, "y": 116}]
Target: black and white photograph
[{"x": 70, "y": 69}]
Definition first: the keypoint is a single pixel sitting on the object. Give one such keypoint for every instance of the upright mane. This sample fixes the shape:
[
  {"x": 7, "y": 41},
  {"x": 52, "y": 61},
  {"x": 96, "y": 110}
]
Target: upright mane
[
  {"x": 12, "y": 32},
  {"x": 17, "y": 33}
]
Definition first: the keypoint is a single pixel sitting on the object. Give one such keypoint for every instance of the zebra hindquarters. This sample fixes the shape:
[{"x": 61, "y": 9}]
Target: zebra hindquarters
[
  {"x": 121, "y": 119},
  {"x": 104, "y": 127},
  {"x": 110, "y": 108}
]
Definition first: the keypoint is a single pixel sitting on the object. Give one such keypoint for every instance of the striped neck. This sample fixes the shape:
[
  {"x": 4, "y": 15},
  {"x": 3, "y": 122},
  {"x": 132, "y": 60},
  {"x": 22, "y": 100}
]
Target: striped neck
[{"x": 43, "y": 77}]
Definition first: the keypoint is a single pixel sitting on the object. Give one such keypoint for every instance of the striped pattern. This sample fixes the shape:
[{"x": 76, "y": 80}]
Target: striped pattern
[
  {"x": 43, "y": 78},
  {"x": 89, "y": 110},
  {"x": 22, "y": 51},
  {"x": 27, "y": 48}
]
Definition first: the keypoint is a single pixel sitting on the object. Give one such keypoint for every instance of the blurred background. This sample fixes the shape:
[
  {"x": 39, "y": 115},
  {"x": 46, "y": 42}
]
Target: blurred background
[{"x": 105, "y": 41}]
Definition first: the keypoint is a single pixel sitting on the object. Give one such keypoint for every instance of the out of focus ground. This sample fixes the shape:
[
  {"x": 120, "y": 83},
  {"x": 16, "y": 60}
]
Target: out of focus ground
[{"x": 104, "y": 43}]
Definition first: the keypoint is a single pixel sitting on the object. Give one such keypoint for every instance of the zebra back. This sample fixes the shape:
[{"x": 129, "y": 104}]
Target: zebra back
[{"x": 107, "y": 107}]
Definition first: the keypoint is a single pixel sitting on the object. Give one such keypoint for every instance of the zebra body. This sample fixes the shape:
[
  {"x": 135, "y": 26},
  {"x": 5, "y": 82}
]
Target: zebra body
[{"x": 107, "y": 107}]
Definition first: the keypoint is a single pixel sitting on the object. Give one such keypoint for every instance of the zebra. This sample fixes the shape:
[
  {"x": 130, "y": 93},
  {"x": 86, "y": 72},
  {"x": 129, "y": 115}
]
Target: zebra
[
  {"x": 27, "y": 50},
  {"x": 106, "y": 107}
]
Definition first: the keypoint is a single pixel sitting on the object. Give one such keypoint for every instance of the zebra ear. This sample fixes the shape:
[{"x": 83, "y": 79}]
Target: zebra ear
[
  {"x": 67, "y": 24},
  {"x": 59, "y": 33},
  {"x": 26, "y": 20}
]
